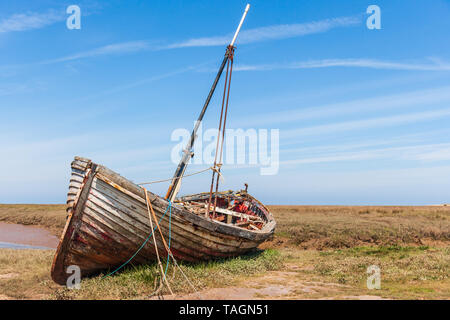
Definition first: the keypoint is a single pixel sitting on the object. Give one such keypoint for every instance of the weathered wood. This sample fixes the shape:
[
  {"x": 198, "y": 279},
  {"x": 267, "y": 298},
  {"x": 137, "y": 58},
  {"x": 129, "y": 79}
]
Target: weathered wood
[
  {"x": 108, "y": 222},
  {"x": 238, "y": 214}
]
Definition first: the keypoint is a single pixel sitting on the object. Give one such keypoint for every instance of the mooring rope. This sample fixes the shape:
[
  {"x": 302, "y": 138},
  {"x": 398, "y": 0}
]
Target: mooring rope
[
  {"x": 167, "y": 247},
  {"x": 170, "y": 237},
  {"x": 149, "y": 206},
  {"x": 143, "y": 244},
  {"x": 169, "y": 251}
]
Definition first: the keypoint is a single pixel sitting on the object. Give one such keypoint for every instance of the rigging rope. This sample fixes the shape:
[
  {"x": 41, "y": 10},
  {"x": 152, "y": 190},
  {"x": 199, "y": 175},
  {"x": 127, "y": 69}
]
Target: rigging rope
[
  {"x": 221, "y": 130},
  {"x": 163, "y": 274},
  {"x": 184, "y": 176}
]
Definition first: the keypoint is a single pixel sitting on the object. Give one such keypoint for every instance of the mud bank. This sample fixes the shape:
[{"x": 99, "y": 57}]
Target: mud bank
[{"x": 16, "y": 236}]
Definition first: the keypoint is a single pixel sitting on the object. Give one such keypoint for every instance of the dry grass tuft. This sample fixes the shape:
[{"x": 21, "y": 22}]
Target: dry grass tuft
[
  {"x": 30, "y": 273},
  {"x": 138, "y": 282},
  {"x": 322, "y": 227}
]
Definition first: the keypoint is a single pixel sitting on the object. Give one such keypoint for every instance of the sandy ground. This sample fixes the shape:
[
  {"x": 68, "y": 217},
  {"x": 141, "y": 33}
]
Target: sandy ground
[{"x": 283, "y": 285}]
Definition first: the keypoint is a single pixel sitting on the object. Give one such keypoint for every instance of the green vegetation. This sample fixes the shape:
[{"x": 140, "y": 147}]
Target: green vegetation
[
  {"x": 406, "y": 272},
  {"x": 317, "y": 252},
  {"x": 140, "y": 281},
  {"x": 325, "y": 227}
]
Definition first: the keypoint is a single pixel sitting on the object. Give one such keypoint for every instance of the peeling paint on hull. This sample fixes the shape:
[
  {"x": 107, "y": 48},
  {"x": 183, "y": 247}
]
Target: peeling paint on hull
[{"x": 108, "y": 221}]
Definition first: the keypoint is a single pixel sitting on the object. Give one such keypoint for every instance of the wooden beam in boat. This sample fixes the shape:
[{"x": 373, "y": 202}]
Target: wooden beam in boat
[{"x": 238, "y": 214}]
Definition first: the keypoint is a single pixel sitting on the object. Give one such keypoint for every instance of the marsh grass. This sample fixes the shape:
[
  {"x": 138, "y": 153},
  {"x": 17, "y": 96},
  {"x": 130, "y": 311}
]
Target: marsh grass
[
  {"x": 138, "y": 282},
  {"x": 325, "y": 227},
  {"x": 401, "y": 267},
  {"x": 409, "y": 244},
  {"x": 26, "y": 273}
]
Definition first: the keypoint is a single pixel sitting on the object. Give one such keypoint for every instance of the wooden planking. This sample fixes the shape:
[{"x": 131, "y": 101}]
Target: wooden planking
[
  {"x": 58, "y": 270},
  {"x": 180, "y": 241},
  {"x": 110, "y": 237},
  {"x": 127, "y": 202},
  {"x": 189, "y": 232},
  {"x": 110, "y": 221},
  {"x": 224, "y": 230}
]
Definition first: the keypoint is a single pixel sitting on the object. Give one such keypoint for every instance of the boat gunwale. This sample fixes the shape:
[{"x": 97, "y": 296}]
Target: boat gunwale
[
  {"x": 77, "y": 204},
  {"x": 126, "y": 186}
]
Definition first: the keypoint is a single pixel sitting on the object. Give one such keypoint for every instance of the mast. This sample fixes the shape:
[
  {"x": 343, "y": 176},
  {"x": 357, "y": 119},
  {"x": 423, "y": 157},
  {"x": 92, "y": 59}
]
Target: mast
[{"x": 187, "y": 152}]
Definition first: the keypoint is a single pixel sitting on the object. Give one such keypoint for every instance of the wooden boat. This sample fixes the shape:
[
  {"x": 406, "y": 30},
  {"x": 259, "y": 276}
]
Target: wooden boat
[{"x": 108, "y": 221}]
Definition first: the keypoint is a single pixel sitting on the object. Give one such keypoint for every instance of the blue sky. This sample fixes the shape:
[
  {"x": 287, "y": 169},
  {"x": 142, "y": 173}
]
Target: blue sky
[{"x": 363, "y": 114}]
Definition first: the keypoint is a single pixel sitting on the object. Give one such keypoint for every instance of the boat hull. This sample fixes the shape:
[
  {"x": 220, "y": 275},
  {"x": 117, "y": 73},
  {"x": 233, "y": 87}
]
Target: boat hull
[{"x": 108, "y": 221}]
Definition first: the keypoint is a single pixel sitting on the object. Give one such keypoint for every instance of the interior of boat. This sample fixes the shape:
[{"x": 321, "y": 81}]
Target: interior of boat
[{"x": 231, "y": 207}]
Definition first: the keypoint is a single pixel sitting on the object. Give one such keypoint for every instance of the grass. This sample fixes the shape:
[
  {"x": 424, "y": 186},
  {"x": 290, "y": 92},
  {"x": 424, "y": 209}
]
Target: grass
[
  {"x": 325, "y": 227},
  {"x": 49, "y": 216},
  {"x": 137, "y": 282},
  {"x": 26, "y": 273},
  {"x": 325, "y": 244},
  {"x": 406, "y": 272},
  {"x": 397, "y": 263}
]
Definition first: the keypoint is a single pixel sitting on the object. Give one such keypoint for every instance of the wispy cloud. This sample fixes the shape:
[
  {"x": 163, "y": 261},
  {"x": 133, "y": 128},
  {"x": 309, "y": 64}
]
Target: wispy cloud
[
  {"x": 117, "y": 48},
  {"x": 247, "y": 36},
  {"x": 353, "y": 63},
  {"x": 110, "y": 49},
  {"x": 386, "y": 102},
  {"x": 425, "y": 152},
  {"x": 30, "y": 20},
  {"x": 442, "y": 154},
  {"x": 20, "y": 22},
  {"x": 367, "y": 123},
  {"x": 274, "y": 32},
  {"x": 140, "y": 82}
]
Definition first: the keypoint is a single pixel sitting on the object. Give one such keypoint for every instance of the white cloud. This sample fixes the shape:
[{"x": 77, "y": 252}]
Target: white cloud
[
  {"x": 425, "y": 152},
  {"x": 247, "y": 36},
  {"x": 137, "y": 83},
  {"x": 274, "y": 32},
  {"x": 387, "y": 102},
  {"x": 21, "y": 22},
  {"x": 117, "y": 48},
  {"x": 30, "y": 20},
  {"x": 353, "y": 63},
  {"x": 441, "y": 154},
  {"x": 366, "y": 123}
]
